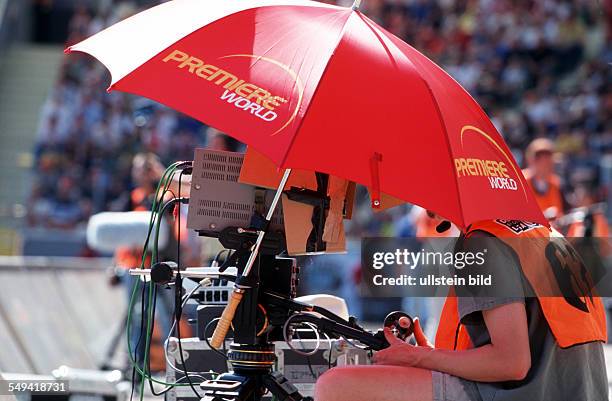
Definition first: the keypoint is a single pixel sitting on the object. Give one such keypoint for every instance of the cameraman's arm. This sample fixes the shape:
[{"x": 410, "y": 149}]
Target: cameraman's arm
[
  {"x": 506, "y": 357},
  {"x": 494, "y": 315}
]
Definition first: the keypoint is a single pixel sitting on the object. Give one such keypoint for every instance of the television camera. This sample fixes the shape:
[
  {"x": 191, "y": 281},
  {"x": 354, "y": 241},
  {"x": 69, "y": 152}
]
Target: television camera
[{"x": 262, "y": 307}]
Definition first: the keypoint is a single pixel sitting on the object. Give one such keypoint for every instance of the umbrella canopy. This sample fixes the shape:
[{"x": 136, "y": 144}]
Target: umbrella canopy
[{"x": 319, "y": 87}]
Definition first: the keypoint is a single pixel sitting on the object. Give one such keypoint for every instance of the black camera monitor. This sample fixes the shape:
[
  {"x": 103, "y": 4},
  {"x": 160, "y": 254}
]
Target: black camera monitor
[{"x": 222, "y": 207}]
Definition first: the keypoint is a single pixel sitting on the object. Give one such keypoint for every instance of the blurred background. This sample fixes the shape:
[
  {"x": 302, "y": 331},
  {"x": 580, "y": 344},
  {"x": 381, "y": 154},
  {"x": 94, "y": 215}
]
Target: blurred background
[{"x": 540, "y": 69}]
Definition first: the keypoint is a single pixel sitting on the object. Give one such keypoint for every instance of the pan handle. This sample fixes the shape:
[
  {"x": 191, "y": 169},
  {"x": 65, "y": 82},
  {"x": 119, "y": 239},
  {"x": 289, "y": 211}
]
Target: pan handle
[{"x": 226, "y": 318}]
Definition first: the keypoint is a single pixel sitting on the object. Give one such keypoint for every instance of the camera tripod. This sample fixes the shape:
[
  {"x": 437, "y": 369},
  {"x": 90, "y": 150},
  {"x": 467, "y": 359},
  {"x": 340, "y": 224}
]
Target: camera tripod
[
  {"x": 252, "y": 376},
  {"x": 252, "y": 364},
  {"x": 252, "y": 354},
  {"x": 259, "y": 321},
  {"x": 260, "y": 318}
]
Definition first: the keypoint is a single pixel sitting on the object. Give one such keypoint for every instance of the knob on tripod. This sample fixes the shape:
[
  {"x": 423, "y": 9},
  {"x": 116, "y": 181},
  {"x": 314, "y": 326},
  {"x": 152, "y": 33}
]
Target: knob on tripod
[
  {"x": 163, "y": 272},
  {"x": 400, "y": 323}
]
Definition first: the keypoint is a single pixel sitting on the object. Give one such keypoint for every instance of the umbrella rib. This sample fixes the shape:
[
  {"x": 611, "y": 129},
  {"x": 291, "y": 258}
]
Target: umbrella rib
[
  {"x": 115, "y": 81},
  {"x": 316, "y": 89},
  {"x": 433, "y": 99},
  {"x": 450, "y": 150},
  {"x": 377, "y": 34}
]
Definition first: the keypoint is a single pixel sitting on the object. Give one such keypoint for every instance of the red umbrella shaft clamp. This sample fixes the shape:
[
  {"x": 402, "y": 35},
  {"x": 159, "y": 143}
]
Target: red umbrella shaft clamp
[{"x": 374, "y": 172}]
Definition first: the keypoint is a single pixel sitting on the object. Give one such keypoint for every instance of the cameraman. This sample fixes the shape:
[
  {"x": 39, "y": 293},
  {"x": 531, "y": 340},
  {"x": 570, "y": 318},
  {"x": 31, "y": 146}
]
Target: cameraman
[{"x": 492, "y": 348}]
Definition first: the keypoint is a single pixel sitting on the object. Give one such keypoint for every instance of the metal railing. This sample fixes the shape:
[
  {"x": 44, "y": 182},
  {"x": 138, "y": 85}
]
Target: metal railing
[
  {"x": 3, "y": 29},
  {"x": 56, "y": 311},
  {"x": 54, "y": 263},
  {"x": 14, "y": 23}
]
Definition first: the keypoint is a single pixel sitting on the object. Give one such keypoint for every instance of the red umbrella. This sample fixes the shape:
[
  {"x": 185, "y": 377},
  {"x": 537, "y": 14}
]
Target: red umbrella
[{"x": 319, "y": 87}]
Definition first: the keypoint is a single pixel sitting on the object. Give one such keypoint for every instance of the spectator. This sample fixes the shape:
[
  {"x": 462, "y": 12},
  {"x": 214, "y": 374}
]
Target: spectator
[{"x": 541, "y": 178}]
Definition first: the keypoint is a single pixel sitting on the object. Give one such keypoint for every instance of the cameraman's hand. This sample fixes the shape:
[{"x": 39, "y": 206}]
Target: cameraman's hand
[{"x": 402, "y": 353}]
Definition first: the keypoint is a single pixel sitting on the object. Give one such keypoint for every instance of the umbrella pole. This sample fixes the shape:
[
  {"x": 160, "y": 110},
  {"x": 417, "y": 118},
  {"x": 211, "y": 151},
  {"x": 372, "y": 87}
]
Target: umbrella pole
[
  {"x": 356, "y": 4},
  {"x": 261, "y": 234},
  {"x": 225, "y": 321}
]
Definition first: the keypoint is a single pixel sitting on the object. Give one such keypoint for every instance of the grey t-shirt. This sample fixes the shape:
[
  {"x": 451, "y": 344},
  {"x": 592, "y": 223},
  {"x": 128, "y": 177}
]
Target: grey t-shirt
[{"x": 556, "y": 374}]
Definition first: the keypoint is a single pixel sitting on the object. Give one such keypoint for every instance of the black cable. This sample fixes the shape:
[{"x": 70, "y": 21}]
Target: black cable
[
  {"x": 164, "y": 209},
  {"x": 142, "y": 331},
  {"x": 314, "y": 376},
  {"x": 167, "y": 388},
  {"x": 177, "y": 291},
  {"x": 157, "y": 201},
  {"x": 178, "y": 235},
  {"x": 133, "y": 380},
  {"x": 457, "y": 336},
  {"x": 148, "y": 367},
  {"x": 178, "y": 311},
  {"x": 142, "y": 321},
  {"x": 161, "y": 212},
  {"x": 142, "y": 305},
  {"x": 170, "y": 387},
  {"x": 178, "y": 285},
  {"x": 208, "y": 342},
  {"x": 133, "y": 383}
]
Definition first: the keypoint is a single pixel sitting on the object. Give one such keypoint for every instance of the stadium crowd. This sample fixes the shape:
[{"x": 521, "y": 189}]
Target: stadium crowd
[{"x": 539, "y": 68}]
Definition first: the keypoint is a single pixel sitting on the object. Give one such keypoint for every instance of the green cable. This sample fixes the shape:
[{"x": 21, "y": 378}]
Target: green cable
[
  {"x": 157, "y": 199},
  {"x": 165, "y": 181},
  {"x": 148, "y": 340},
  {"x": 143, "y": 373},
  {"x": 155, "y": 252}
]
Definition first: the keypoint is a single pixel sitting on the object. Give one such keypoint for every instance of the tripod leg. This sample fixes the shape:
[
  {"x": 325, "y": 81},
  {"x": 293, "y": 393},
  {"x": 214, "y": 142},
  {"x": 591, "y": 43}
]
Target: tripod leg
[
  {"x": 233, "y": 387},
  {"x": 282, "y": 388},
  {"x": 112, "y": 347}
]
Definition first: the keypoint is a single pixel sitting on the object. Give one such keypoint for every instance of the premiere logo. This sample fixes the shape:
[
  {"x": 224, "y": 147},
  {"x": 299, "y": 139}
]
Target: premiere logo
[
  {"x": 245, "y": 96},
  {"x": 496, "y": 171}
]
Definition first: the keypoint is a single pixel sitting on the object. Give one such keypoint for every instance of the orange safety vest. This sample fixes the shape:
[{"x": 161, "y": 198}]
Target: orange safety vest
[
  {"x": 138, "y": 197},
  {"x": 552, "y": 197},
  {"x": 570, "y": 325}
]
